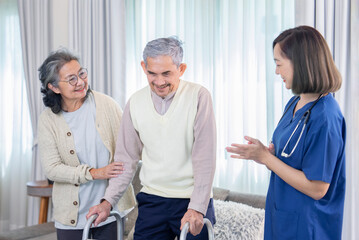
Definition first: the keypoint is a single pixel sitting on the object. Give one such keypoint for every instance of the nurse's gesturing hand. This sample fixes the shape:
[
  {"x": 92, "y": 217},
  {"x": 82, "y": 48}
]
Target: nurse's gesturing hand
[{"x": 254, "y": 150}]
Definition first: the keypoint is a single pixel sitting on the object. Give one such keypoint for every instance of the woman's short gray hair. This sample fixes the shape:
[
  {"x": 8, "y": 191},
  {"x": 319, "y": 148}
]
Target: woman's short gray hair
[{"x": 170, "y": 46}]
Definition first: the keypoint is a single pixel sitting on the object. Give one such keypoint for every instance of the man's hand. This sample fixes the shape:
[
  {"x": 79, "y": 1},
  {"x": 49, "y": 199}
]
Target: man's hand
[
  {"x": 110, "y": 171},
  {"x": 103, "y": 210},
  {"x": 195, "y": 220}
]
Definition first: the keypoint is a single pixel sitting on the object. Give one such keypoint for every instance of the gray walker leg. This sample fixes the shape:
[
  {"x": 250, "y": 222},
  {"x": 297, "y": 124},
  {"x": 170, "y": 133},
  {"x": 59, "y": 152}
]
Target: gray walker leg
[
  {"x": 209, "y": 228},
  {"x": 119, "y": 220}
]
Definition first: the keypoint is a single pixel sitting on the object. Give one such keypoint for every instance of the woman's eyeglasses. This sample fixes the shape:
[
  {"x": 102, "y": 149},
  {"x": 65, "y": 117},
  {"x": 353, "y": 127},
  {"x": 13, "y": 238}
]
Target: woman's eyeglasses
[{"x": 73, "y": 79}]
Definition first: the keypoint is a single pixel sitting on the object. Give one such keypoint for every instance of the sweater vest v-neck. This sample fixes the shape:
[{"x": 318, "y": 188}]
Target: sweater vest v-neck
[{"x": 167, "y": 141}]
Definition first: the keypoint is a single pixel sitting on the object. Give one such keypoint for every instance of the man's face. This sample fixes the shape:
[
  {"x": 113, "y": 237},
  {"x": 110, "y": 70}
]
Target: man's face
[{"x": 163, "y": 75}]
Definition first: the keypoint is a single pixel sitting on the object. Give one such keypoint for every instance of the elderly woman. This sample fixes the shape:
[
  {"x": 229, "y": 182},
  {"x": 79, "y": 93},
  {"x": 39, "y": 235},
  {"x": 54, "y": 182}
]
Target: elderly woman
[{"x": 77, "y": 135}]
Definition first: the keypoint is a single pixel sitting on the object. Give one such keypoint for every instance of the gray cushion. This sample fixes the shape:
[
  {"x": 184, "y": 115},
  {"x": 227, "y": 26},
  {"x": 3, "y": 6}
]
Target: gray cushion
[
  {"x": 220, "y": 193},
  {"x": 253, "y": 200}
]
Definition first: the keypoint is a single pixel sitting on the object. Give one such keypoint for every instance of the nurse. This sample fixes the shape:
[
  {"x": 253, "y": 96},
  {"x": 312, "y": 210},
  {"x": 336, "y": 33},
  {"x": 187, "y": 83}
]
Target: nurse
[{"x": 305, "y": 199}]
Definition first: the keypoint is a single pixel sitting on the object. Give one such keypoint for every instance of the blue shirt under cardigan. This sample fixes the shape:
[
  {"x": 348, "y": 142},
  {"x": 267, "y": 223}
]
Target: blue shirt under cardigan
[{"x": 91, "y": 151}]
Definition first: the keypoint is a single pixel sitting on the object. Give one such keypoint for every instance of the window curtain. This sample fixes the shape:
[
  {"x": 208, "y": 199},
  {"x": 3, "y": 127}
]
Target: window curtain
[
  {"x": 96, "y": 35},
  {"x": 35, "y": 26},
  {"x": 228, "y": 49},
  {"x": 338, "y": 22},
  {"x": 15, "y": 125}
]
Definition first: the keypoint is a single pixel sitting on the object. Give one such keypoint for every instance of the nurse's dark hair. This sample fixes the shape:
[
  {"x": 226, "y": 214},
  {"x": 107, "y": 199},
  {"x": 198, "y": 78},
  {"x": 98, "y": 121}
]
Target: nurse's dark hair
[
  {"x": 314, "y": 70},
  {"x": 49, "y": 73}
]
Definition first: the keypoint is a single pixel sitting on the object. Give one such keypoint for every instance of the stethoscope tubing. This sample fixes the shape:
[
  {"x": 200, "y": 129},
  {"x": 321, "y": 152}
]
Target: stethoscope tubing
[{"x": 306, "y": 115}]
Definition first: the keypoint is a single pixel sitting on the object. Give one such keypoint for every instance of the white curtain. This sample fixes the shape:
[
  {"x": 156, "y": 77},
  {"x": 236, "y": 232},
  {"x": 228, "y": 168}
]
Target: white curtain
[
  {"x": 35, "y": 23},
  {"x": 228, "y": 49},
  {"x": 338, "y": 21},
  {"x": 15, "y": 125},
  {"x": 96, "y": 34},
  {"x": 351, "y": 219}
]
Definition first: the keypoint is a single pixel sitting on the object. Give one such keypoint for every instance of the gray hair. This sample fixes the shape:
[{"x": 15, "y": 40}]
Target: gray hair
[
  {"x": 170, "y": 46},
  {"x": 49, "y": 73}
]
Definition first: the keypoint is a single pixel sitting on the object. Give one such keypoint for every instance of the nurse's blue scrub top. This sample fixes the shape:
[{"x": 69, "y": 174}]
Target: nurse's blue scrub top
[{"x": 320, "y": 154}]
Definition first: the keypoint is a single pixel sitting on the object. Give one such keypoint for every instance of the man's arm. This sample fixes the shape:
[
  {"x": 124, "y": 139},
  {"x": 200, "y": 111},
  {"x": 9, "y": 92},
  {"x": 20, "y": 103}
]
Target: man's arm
[
  {"x": 203, "y": 153},
  {"x": 128, "y": 150},
  {"x": 203, "y": 160}
]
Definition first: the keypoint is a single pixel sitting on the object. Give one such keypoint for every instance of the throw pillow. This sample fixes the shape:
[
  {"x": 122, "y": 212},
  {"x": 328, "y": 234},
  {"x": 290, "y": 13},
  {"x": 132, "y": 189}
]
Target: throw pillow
[{"x": 236, "y": 221}]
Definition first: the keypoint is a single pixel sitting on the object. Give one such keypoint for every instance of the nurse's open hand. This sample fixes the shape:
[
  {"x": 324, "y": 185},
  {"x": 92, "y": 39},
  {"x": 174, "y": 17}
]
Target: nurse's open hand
[{"x": 254, "y": 150}]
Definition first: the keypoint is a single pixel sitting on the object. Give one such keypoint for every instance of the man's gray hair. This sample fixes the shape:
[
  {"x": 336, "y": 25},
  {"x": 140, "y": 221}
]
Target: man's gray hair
[{"x": 170, "y": 46}]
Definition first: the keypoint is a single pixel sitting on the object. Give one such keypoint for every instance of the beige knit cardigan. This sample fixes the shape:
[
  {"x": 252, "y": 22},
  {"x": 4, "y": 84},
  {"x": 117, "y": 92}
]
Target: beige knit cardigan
[{"x": 61, "y": 164}]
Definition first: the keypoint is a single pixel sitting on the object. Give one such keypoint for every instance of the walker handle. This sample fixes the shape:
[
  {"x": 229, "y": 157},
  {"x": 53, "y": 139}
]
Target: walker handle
[
  {"x": 119, "y": 220},
  {"x": 206, "y": 222}
]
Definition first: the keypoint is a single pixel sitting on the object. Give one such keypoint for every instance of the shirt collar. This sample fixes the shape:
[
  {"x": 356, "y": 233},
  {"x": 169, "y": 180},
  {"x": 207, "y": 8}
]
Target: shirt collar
[{"x": 157, "y": 98}]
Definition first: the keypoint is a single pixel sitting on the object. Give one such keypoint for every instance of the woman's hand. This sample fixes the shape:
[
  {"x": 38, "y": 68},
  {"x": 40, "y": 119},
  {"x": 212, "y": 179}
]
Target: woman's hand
[
  {"x": 254, "y": 150},
  {"x": 110, "y": 171},
  {"x": 271, "y": 149}
]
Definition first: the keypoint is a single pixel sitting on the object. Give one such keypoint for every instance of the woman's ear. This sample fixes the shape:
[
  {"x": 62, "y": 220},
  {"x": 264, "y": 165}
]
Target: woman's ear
[{"x": 53, "y": 88}]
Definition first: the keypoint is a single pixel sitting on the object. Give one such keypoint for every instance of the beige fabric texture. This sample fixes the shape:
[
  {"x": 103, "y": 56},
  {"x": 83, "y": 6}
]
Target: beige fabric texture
[{"x": 61, "y": 164}]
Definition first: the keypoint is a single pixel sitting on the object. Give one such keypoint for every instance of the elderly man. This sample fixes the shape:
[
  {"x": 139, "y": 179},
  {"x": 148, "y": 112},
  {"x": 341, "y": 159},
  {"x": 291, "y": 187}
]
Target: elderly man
[{"x": 170, "y": 125}]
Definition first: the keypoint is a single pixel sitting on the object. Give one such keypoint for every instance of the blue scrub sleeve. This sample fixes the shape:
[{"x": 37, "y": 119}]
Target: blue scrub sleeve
[{"x": 323, "y": 146}]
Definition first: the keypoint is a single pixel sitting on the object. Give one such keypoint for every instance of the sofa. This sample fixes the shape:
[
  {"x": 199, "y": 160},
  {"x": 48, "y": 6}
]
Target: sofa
[{"x": 239, "y": 216}]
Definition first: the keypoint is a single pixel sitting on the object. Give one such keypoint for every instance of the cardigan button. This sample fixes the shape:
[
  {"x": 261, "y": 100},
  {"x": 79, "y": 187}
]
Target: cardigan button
[
  {"x": 72, "y": 221},
  {"x": 72, "y": 151},
  {"x": 75, "y": 203},
  {"x": 69, "y": 134},
  {"x": 76, "y": 185}
]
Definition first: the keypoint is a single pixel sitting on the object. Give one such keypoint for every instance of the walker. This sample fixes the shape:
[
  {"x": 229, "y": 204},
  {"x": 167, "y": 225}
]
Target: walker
[
  {"x": 119, "y": 219},
  {"x": 120, "y": 226},
  {"x": 209, "y": 229}
]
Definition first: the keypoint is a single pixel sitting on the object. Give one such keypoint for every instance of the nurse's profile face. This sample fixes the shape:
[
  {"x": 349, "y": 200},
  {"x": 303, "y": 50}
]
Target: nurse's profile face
[{"x": 284, "y": 66}]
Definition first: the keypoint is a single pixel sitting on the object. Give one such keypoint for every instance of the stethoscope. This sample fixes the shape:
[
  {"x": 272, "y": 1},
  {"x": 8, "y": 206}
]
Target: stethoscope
[{"x": 305, "y": 116}]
